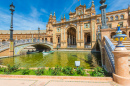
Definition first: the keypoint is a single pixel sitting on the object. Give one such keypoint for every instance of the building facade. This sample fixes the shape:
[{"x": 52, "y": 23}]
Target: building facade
[{"x": 79, "y": 31}]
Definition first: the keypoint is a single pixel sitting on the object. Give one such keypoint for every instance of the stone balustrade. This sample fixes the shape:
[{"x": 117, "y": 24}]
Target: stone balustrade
[
  {"x": 109, "y": 47},
  {"x": 21, "y": 42}
]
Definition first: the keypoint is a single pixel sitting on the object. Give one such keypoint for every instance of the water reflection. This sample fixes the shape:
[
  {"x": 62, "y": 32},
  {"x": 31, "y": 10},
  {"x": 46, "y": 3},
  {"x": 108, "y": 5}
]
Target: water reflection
[{"x": 87, "y": 59}]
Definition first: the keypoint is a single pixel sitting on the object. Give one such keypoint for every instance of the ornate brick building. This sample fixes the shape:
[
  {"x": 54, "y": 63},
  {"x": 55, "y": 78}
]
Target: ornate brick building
[{"x": 79, "y": 31}]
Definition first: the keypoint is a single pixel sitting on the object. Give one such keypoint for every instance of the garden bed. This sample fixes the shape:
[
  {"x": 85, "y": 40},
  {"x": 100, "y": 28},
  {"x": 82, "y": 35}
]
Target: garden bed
[{"x": 55, "y": 71}]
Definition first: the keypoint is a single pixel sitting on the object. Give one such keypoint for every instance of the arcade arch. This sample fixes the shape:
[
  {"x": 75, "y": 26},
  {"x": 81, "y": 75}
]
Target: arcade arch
[
  {"x": 112, "y": 34},
  {"x": 71, "y": 37},
  {"x": 87, "y": 39}
]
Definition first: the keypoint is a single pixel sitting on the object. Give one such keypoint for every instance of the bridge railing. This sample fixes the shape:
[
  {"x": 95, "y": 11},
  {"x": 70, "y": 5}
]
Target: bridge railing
[
  {"x": 19, "y": 42},
  {"x": 4, "y": 46},
  {"x": 109, "y": 47}
]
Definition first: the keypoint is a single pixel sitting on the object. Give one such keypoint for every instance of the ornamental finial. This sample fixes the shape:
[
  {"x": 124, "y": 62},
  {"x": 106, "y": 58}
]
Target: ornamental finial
[
  {"x": 118, "y": 25},
  {"x": 119, "y": 37}
]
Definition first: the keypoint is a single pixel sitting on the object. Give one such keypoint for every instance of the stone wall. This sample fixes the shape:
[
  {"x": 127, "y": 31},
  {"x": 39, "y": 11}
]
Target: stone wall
[{"x": 4, "y": 53}]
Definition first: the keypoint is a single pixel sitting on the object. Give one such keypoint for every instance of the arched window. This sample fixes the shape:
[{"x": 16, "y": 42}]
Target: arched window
[
  {"x": 122, "y": 16},
  {"x": 111, "y": 18},
  {"x": 106, "y": 19},
  {"x": 116, "y": 17},
  {"x": 97, "y": 20}
]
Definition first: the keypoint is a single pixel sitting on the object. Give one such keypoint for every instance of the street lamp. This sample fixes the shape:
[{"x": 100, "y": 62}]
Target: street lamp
[
  {"x": 12, "y": 9},
  {"x": 38, "y": 34}
]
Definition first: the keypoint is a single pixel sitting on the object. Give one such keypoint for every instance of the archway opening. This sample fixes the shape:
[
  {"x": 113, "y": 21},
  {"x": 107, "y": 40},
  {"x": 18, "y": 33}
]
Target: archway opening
[
  {"x": 112, "y": 34},
  {"x": 41, "y": 47},
  {"x": 35, "y": 48},
  {"x": 123, "y": 32},
  {"x": 129, "y": 34},
  {"x": 3, "y": 41},
  {"x": 87, "y": 40},
  {"x": 71, "y": 37},
  {"x": 51, "y": 40}
]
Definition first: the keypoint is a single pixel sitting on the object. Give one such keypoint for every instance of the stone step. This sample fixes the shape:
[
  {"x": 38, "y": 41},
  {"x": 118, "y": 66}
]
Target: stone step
[{"x": 128, "y": 48}]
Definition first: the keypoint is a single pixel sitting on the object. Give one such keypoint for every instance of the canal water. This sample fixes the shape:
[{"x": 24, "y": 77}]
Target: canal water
[{"x": 87, "y": 60}]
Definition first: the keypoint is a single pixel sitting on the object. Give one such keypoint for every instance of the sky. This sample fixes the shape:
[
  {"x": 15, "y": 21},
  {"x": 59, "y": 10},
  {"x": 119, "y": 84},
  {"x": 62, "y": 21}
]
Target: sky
[{"x": 31, "y": 14}]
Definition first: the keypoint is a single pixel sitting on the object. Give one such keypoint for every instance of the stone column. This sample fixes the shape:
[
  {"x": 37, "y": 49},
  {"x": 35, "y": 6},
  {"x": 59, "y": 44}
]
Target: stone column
[
  {"x": 72, "y": 40},
  {"x": 44, "y": 39},
  {"x": 64, "y": 34},
  {"x": 78, "y": 32},
  {"x": 121, "y": 74},
  {"x": 69, "y": 39},
  {"x": 81, "y": 33},
  {"x": 32, "y": 38}
]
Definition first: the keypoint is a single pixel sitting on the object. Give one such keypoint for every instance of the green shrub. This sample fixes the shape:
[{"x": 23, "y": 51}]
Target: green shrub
[
  {"x": 2, "y": 69},
  {"x": 68, "y": 70},
  {"x": 12, "y": 68},
  {"x": 40, "y": 71},
  {"x": 25, "y": 72},
  {"x": 7, "y": 71},
  {"x": 98, "y": 72},
  {"x": 50, "y": 69},
  {"x": 57, "y": 70},
  {"x": 80, "y": 70}
]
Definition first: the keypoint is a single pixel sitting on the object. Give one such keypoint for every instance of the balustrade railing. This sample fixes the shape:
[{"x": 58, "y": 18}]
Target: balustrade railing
[
  {"x": 6, "y": 45},
  {"x": 72, "y": 19},
  {"x": 109, "y": 47},
  {"x": 71, "y": 46}
]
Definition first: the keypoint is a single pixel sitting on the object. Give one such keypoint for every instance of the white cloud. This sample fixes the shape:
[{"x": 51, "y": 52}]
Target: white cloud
[
  {"x": 117, "y": 5},
  {"x": 66, "y": 10},
  {"x": 21, "y": 22},
  {"x": 44, "y": 11}
]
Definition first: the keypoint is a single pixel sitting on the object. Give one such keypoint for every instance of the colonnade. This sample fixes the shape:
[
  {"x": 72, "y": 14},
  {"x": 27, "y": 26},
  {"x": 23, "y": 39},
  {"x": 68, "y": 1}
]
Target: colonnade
[{"x": 71, "y": 40}]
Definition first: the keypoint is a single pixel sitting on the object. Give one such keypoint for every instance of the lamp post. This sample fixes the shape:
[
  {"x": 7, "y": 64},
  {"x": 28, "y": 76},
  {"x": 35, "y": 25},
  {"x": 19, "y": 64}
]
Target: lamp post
[
  {"x": 38, "y": 34},
  {"x": 103, "y": 14},
  {"x": 12, "y": 9},
  {"x": 11, "y": 50}
]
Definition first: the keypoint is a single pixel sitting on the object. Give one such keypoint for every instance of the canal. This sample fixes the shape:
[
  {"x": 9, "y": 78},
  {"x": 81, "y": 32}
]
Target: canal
[{"x": 87, "y": 60}]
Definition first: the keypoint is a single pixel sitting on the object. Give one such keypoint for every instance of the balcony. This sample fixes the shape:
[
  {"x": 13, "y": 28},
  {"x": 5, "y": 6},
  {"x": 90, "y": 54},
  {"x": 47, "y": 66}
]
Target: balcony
[{"x": 73, "y": 19}]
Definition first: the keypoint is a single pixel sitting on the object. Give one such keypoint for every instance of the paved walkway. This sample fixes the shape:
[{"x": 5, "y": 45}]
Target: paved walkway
[{"x": 52, "y": 82}]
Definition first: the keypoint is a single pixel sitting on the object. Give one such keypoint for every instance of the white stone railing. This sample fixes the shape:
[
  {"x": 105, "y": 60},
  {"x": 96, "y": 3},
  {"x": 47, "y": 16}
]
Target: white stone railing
[
  {"x": 4, "y": 46},
  {"x": 21, "y": 42},
  {"x": 109, "y": 47},
  {"x": 72, "y": 19}
]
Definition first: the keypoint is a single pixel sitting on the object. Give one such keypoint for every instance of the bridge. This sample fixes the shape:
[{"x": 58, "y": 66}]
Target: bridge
[{"x": 21, "y": 44}]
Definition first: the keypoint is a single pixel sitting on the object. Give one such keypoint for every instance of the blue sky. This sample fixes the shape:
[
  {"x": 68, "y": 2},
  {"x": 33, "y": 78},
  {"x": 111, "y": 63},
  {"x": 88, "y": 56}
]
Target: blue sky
[{"x": 31, "y": 14}]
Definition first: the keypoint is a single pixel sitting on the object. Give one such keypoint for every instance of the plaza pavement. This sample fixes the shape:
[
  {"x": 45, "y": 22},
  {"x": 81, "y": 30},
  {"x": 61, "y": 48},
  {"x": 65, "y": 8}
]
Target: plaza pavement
[{"x": 54, "y": 81}]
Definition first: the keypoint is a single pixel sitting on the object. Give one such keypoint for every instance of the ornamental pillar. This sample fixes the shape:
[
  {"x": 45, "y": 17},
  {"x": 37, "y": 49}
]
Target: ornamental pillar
[{"x": 121, "y": 55}]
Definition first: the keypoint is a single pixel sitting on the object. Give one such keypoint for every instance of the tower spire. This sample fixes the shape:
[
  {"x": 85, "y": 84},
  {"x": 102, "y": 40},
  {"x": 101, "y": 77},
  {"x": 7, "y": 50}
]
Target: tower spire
[
  {"x": 54, "y": 13},
  {"x": 64, "y": 16},
  {"x": 92, "y": 3}
]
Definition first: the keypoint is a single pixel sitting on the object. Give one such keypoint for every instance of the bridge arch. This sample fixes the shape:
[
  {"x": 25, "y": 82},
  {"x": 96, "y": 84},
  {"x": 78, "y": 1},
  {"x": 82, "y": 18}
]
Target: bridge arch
[{"x": 18, "y": 49}]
